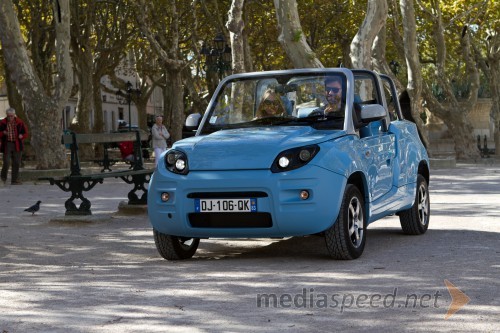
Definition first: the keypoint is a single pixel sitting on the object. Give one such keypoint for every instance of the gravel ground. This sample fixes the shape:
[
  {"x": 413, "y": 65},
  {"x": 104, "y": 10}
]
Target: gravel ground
[{"x": 105, "y": 275}]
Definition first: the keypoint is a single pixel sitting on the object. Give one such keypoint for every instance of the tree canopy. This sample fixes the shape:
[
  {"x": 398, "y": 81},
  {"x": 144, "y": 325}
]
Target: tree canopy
[{"x": 456, "y": 42}]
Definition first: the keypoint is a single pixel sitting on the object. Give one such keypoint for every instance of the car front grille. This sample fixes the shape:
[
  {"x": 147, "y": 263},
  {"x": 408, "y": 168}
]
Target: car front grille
[
  {"x": 230, "y": 220},
  {"x": 226, "y": 195}
]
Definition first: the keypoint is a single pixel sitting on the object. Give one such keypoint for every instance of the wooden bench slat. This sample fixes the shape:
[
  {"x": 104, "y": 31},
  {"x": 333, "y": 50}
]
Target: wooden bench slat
[
  {"x": 115, "y": 174},
  {"x": 104, "y": 137}
]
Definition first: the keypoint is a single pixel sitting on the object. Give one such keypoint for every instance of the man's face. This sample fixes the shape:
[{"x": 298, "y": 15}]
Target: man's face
[
  {"x": 333, "y": 92},
  {"x": 10, "y": 116}
]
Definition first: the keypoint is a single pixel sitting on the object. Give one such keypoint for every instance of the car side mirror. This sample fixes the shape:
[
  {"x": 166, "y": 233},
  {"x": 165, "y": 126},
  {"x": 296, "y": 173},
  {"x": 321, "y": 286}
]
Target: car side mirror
[
  {"x": 193, "y": 121},
  {"x": 191, "y": 125},
  {"x": 372, "y": 112}
]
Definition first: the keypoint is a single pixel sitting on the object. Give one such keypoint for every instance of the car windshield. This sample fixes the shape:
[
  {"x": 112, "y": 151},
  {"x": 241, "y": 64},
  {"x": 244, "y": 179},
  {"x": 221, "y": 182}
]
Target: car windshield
[{"x": 316, "y": 100}]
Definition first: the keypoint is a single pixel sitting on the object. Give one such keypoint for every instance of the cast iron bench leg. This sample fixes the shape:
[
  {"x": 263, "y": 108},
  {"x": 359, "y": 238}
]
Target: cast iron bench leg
[
  {"x": 77, "y": 187},
  {"x": 139, "y": 181}
]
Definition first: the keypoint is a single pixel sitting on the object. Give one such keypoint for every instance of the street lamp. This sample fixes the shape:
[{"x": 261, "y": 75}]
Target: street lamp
[
  {"x": 394, "y": 66},
  {"x": 126, "y": 98},
  {"x": 217, "y": 56}
]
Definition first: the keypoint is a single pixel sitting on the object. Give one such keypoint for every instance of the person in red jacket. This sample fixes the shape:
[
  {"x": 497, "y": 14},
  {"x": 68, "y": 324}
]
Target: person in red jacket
[
  {"x": 127, "y": 150},
  {"x": 13, "y": 131}
]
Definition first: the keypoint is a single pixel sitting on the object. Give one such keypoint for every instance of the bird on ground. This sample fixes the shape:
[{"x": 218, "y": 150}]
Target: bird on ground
[{"x": 33, "y": 209}]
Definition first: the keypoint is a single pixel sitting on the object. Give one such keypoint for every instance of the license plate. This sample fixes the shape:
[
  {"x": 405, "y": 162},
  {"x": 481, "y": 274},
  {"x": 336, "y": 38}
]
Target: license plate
[{"x": 225, "y": 205}]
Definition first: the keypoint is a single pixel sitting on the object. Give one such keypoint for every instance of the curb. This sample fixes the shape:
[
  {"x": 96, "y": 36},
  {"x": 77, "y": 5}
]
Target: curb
[
  {"x": 125, "y": 209},
  {"x": 443, "y": 163},
  {"x": 81, "y": 220}
]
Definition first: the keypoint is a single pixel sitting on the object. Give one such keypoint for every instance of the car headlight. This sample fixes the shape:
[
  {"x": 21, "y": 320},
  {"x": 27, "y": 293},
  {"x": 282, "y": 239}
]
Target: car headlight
[
  {"x": 176, "y": 162},
  {"x": 294, "y": 158}
]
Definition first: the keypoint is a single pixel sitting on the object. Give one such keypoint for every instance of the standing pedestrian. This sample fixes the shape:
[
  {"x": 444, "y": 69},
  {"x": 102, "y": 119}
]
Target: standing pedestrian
[
  {"x": 160, "y": 136},
  {"x": 12, "y": 134}
]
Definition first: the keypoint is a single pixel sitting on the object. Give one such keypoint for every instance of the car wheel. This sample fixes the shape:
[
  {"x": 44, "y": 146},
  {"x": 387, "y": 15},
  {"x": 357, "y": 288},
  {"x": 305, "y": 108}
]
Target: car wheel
[
  {"x": 175, "y": 248},
  {"x": 415, "y": 220},
  {"x": 346, "y": 238}
]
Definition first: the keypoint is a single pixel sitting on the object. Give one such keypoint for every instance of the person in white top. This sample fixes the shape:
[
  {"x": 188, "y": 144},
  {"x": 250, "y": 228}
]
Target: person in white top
[{"x": 160, "y": 135}]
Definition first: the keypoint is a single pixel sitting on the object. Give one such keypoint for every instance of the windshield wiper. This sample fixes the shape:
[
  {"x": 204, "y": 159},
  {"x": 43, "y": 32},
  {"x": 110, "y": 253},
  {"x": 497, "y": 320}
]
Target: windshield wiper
[
  {"x": 318, "y": 117},
  {"x": 273, "y": 120}
]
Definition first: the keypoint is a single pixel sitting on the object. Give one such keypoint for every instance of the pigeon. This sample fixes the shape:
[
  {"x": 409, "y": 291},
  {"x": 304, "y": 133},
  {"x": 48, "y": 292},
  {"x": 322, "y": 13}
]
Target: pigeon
[{"x": 34, "y": 208}]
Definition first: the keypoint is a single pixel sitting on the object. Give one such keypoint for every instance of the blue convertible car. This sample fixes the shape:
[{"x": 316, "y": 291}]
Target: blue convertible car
[{"x": 290, "y": 153}]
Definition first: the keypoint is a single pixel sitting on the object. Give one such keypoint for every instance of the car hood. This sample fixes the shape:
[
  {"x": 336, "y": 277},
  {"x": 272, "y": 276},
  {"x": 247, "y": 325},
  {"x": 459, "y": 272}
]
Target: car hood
[{"x": 248, "y": 148}]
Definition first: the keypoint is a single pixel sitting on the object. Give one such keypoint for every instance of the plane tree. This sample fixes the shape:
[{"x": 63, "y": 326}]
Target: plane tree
[{"x": 41, "y": 70}]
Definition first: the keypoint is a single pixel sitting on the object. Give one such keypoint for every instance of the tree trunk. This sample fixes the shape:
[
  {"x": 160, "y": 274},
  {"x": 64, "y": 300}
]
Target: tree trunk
[
  {"x": 361, "y": 45},
  {"x": 169, "y": 55},
  {"x": 15, "y": 99},
  {"x": 177, "y": 104},
  {"x": 45, "y": 137},
  {"x": 248, "y": 52},
  {"x": 97, "y": 104},
  {"x": 235, "y": 25},
  {"x": 492, "y": 72},
  {"x": 141, "y": 102},
  {"x": 199, "y": 104},
  {"x": 379, "y": 60},
  {"x": 292, "y": 37},
  {"x": 461, "y": 131},
  {"x": 43, "y": 106},
  {"x": 414, "y": 71},
  {"x": 451, "y": 111},
  {"x": 142, "y": 105},
  {"x": 167, "y": 102},
  {"x": 83, "y": 64}
]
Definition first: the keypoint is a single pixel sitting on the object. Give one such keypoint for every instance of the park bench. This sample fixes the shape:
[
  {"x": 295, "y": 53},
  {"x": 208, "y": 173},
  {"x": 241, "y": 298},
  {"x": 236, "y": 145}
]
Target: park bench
[
  {"x": 106, "y": 162},
  {"x": 77, "y": 182}
]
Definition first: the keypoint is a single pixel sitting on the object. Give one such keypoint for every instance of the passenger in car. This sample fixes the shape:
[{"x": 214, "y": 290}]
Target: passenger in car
[
  {"x": 333, "y": 94},
  {"x": 335, "y": 105},
  {"x": 270, "y": 105}
]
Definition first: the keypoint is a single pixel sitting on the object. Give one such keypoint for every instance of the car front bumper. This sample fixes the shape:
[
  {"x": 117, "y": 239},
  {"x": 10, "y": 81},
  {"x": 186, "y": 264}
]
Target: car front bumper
[{"x": 280, "y": 210}]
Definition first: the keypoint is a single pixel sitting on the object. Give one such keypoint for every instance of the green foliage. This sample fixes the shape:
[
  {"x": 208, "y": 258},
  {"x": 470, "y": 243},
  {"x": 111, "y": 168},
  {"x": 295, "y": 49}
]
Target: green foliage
[
  {"x": 478, "y": 17},
  {"x": 262, "y": 30},
  {"x": 328, "y": 26},
  {"x": 297, "y": 35}
]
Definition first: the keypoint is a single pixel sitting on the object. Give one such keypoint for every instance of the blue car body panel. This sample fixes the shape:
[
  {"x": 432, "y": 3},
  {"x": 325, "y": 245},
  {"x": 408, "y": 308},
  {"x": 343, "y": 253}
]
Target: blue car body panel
[
  {"x": 237, "y": 162},
  {"x": 291, "y": 216}
]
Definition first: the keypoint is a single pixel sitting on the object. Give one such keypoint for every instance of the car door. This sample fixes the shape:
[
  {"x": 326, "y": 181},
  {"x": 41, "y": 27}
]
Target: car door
[
  {"x": 379, "y": 148},
  {"x": 396, "y": 115},
  {"x": 378, "y": 144}
]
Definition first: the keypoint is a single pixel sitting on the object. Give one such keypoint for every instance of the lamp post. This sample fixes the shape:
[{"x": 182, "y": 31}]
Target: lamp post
[
  {"x": 126, "y": 98},
  {"x": 217, "y": 56}
]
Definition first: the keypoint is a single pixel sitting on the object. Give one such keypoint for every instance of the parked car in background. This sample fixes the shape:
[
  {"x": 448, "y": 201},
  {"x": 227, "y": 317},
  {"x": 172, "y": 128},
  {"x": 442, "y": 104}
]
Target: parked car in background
[{"x": 298, "y": 171}]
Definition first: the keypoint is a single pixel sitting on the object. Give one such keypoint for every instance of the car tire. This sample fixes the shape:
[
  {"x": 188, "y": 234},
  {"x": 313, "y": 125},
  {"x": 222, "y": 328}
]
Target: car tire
[
  {"x": 346, "y": 238},
  {"x": 415, "y": 220},
  {"x": 175, "y": 248}
]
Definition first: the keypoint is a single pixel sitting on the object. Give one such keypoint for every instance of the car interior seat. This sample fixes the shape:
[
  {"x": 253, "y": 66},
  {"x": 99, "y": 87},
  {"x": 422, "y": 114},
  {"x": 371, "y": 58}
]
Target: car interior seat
[{"x": 288, "y": 104}]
